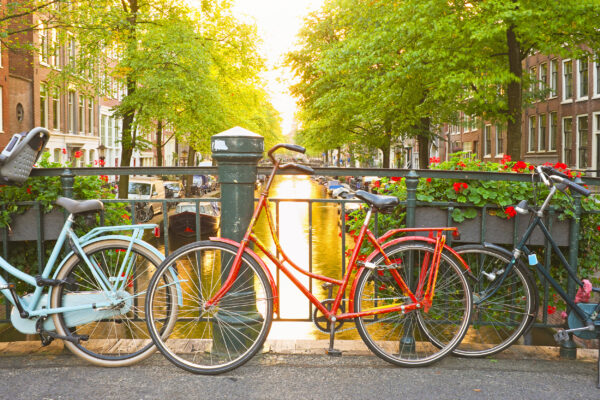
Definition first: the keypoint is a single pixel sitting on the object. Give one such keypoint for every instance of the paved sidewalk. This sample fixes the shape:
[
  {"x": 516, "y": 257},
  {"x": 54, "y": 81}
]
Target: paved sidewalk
[{"x": 300, "y": 370}]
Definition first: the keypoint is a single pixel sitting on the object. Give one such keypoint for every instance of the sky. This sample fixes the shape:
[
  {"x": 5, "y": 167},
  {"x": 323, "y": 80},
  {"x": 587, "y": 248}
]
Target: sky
[{"x": 278, "y": 22}]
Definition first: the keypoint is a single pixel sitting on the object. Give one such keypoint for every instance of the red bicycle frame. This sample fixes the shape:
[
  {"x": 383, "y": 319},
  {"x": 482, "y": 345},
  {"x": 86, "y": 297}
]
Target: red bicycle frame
[{"x": 421, "y": 298}]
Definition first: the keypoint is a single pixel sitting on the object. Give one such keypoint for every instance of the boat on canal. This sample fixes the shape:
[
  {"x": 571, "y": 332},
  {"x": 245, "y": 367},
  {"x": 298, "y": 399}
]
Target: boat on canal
[{"x": 183, "y": 221}]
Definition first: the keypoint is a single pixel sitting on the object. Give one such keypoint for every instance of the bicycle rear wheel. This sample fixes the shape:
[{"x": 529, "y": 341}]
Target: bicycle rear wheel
[
  {"x": 405, "y": 339},
  {"x": 501, "y": 319},
  {"x": 121, "y": 337},
  {"x": 225, "y": 335}
]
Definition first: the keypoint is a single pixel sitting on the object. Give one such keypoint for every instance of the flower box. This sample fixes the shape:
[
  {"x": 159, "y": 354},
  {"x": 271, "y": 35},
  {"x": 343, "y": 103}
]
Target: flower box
[
  {"x": 498, "y": 230},
  {"x": 25, "y": 226}
]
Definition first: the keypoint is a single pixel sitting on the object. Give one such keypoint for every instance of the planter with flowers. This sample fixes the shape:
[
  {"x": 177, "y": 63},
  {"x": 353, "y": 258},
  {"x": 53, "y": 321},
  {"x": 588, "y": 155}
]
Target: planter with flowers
[{"x": 499, "y": 199}]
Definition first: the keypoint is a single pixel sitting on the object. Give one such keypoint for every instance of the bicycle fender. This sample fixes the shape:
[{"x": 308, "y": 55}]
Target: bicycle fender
[
  {"x": 385, "y": 245},
  {"x": 260, "y": 262}
]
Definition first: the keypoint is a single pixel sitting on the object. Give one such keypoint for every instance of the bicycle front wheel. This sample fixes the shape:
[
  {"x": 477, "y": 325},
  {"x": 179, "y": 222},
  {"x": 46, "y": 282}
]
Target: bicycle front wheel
[
  {"x": 503, "y": 317},
  {"x": 420, "y": 337},
  {"x": 113, "y": 336},
  {"x": 225, "y": 335}
]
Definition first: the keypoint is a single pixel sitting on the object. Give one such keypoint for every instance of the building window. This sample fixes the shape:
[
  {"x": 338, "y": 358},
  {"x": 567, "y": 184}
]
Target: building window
[
  {"x": 487, "y": 141},
  {"x": 44, "y": 44},
  {"x": 553, "y": 77},
  {"x": 567, "y": 140},
  {"x": 54, "y": 48},
  {"x": 57, "y": 153},
  {"x": 72, "y": 111},
  {"x": 499, "y": 140},
  {"x": 582, "y": 78},
  {"x": 542, "y": 133},
  {"x": 582, "y": 142},
  {"x": 531, "y": 145},
  {"x": 553, "y": 128},
  {"x": 71, "y": 52},
  {"x": 43, "y": 106},
  {"x": 533, "y": 77},
  {"x": 80, "y": 114},
  {"x": 56, "y": 109},
  {"x": 103, "y": 129},
  {"x": 567, "y": 79},
  {"x": 543, "y": 77},
  {"x": 90, "y": 116}
]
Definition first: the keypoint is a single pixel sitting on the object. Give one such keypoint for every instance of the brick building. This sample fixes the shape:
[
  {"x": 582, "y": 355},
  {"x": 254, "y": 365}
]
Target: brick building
[{"x": 562, "y": 127}]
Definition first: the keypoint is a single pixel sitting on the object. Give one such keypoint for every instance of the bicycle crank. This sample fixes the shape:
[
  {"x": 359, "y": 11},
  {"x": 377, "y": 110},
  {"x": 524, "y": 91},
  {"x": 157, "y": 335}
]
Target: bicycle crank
[{"x": 322, "y": 322}]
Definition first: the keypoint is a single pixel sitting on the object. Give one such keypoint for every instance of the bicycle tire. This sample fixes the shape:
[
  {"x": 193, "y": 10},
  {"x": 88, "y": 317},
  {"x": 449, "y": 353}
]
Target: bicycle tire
[
  {"x": 500, "y": 320},
  {"x": 404, "y": 338},
  {"x": 229, "y": 333},
  {"x": 119, "y": 339}
]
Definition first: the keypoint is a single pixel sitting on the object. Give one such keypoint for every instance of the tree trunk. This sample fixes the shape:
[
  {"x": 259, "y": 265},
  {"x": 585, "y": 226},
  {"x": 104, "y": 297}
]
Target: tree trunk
[
  {"x": 514, "y": 93},
  {"x": 128, "y": 135},
  {"x": 127, "y": 142},
  {"x": 423, "y": 140},
  {"x": 189, "y": 179},
  {"x": 159, "y": 144}
]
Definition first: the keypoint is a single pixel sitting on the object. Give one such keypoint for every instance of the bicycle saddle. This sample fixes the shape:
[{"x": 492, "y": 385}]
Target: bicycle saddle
[
  {"x": 384, "y": 204},
  {"x": 76, "y": 207}
]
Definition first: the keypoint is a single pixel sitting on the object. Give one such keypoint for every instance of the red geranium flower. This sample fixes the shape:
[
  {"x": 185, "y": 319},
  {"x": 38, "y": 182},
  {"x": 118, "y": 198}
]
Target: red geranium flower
[
  {"x": 377, "y": 184},
  {"x": 510, "y": 212},
  {"x": 396, "y": 178},
  {"x": 458, "y": 186},
  {"x": 551, "y": 310},
  {"x": 78, "y": 154},
  {"x": 519, "y": 166},
  {"x": 505, "y": 159},
  {"x": 428, "y": 180},
  {"x": 29, "y": 189},
  {"x": 64, "y": 151}
]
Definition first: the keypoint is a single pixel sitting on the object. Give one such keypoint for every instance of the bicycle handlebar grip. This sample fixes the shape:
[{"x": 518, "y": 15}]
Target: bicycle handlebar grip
[
  {"x": 292, "y": 147},
  {"x": 551, "y": 171},
  {"x": 303, "y": 168},
  {"x": 578, "y": 188}
]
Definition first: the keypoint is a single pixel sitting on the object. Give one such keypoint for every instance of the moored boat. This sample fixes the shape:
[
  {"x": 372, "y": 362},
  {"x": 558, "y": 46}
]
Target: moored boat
[{"x": 183, "y": 221}]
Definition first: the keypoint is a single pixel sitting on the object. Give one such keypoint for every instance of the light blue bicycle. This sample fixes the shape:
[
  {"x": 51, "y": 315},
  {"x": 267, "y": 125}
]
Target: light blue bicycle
[{"x": 94, "y": 298}]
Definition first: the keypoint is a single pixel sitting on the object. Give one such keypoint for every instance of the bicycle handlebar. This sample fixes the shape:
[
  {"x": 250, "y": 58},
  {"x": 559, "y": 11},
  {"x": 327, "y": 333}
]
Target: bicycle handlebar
[
  {"x": 304, "y": 168},
  {"x": 548, "y": 173},
  {"x": 293, "y": 147}
]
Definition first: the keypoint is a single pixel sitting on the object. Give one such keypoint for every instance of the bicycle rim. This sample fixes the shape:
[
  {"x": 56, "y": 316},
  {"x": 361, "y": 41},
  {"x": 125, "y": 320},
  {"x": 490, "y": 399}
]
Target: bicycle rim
[
  {"x": 500, "y": 320},
  {"x": 406, "y": 338},
  {"x": 226, "y": 335},
  {"x": 120, "y": 337}
]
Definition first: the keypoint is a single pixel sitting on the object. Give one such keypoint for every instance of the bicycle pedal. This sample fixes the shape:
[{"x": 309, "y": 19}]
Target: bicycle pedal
[
  {"x": 334, "y": 352},
  {"x": 561, "y": 336}
]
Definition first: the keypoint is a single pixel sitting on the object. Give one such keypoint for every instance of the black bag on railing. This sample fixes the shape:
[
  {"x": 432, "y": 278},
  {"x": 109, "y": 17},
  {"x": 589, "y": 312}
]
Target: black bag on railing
[{"x": 23, "y": 150}]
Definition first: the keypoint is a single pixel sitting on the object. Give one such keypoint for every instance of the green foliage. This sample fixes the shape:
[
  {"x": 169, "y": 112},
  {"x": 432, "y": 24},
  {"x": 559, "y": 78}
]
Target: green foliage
[{"x": 47, "y": 189}]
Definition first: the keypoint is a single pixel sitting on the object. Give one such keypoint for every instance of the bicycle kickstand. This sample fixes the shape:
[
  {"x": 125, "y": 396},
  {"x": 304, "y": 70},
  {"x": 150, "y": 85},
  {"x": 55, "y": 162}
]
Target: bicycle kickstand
[{"x": 331, "y": 351}]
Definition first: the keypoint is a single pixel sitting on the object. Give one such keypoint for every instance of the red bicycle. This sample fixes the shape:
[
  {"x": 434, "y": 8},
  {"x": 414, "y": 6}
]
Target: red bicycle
[{"x": 409, "y": 299}]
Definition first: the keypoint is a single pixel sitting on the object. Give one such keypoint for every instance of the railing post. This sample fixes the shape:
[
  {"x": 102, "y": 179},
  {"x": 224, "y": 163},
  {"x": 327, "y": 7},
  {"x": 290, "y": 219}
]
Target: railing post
[
  {"x": 237, "y": 152},
  {"x": 412, "y": 181},
  {"x": 568, "y": 348},
  {"x": 67, "y": 180}
]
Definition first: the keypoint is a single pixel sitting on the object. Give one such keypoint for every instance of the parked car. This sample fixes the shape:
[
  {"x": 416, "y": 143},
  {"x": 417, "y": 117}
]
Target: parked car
[{"x": 147, "y": 189}]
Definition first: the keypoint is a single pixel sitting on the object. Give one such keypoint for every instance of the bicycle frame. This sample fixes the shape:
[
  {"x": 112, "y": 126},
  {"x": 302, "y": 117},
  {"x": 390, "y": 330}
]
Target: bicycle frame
[
  {"x": 421, "y": 298},
  {"x": 521, "y": 248},
  {"x": 33, "y": 305}
]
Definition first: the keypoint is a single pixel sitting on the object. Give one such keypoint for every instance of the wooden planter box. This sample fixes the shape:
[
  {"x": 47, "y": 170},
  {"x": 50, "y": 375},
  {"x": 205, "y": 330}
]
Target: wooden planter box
[
  {"x": 497, "y": 230},
  {"x": 25, "y": 226}
]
